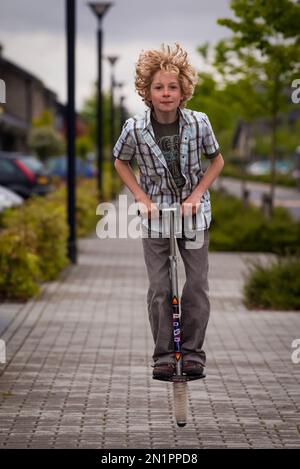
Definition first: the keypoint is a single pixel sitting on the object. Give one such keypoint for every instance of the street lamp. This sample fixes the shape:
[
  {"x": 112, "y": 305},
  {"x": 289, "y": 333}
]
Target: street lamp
[
  {"x": 99, "y": 9},
  {"x": 120, "y": 85},
  {"x": 112, "y": 60},
  {"x": 297, "y": 167},
  {"x": 122, "y": 112},
  {"x": 70, "y": 7}
]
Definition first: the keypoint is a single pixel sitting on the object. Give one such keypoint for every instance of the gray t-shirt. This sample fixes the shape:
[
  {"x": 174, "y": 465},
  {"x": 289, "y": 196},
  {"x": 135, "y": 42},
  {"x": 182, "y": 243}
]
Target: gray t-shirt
[{"x": 167, "y": 138}]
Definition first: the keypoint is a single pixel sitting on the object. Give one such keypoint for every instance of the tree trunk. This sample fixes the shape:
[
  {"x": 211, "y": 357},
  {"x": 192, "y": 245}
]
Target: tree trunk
[
  {"x": 273, "y": 161},
  {"x": 274, "y": 142}
]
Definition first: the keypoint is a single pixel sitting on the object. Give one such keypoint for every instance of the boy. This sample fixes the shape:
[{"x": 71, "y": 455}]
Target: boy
[{"x": 167, "y": 142}]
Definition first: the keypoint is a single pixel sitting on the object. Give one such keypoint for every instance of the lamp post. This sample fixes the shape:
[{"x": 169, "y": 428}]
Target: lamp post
[
  {"x": 120, "y": 85},
  {"x": 122, "y": 112},
  {"x": 297, "y": 167},
  {"x": 112, "y": 60},
  {"x": 99, "y": 9},
  {"x": 70, "y": 6}
]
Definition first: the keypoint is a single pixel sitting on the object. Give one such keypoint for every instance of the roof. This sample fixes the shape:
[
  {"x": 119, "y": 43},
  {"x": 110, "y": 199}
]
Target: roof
[{"x": 4, "y": 63}]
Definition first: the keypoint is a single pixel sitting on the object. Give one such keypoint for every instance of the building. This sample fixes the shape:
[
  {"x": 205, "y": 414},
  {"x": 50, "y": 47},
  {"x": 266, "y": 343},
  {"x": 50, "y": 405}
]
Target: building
[{"x": 26, "y": 98}]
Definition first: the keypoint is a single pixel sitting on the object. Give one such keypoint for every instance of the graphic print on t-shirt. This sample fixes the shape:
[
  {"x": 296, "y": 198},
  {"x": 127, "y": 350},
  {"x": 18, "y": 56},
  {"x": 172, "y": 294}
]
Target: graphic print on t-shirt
[{"x": 169, "y": 145}]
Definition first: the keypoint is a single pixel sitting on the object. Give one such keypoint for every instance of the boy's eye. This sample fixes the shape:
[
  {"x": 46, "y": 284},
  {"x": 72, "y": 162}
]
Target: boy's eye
[{"x": 172, "y": 87}]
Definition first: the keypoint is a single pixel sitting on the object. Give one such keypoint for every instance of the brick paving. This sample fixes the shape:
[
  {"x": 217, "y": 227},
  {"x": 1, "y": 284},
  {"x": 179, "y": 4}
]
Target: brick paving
[{"x": 78, "y": 369}]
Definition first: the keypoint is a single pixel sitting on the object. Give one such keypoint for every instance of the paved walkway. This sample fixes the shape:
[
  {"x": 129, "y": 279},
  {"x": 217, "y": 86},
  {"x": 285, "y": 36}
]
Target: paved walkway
[
  {"x": 78, "y": 363},
  {"x": 286, "y": 197}
]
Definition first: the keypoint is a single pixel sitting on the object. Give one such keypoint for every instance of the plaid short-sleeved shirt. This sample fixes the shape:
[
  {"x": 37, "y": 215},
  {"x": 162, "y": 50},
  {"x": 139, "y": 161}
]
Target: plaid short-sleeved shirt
[{"x": 196, "y": 139}]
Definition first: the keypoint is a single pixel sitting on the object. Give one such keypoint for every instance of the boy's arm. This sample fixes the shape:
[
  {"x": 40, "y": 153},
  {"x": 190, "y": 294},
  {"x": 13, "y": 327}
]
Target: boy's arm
[
  {"x": 128, "y": 177},
  {"x": 214, "y": 169}
]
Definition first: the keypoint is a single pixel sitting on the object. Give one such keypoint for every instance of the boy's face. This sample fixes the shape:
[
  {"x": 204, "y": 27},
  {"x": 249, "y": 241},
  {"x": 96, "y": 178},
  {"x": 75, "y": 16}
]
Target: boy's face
[{"x": 165, "y": 92}]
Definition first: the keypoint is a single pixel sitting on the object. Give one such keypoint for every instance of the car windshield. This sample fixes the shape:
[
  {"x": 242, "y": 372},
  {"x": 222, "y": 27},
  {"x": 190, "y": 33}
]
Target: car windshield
[{"x": 32, "y": 163}]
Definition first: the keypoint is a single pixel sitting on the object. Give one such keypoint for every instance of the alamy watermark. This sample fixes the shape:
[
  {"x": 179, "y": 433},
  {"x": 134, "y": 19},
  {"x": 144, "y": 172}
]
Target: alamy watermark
[
  {"x": 2, "y": 92},
  {"x": 296, "y": 353},
  {"x": 133, "y": 221},
  {"x": 2, "y": 351},
  {"x": 296, "y": 93}
]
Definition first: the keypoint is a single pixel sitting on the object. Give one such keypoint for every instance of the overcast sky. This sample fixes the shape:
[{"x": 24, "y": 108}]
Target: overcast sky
[{"x": 32, "y": 33}]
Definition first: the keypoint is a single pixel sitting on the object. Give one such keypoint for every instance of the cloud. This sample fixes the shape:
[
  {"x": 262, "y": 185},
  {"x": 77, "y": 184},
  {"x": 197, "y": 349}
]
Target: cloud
[{"x": 33, "y": 36}]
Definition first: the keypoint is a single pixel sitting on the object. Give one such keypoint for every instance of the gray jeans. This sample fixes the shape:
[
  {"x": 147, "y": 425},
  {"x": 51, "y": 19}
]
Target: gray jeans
[{"x": 195, "y": 305}]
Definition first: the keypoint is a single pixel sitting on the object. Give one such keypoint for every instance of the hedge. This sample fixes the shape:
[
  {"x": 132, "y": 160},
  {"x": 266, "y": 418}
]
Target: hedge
[
  {"x": 274, "y": 287},
  {"x": 235, "y": 228},
  {"x": 33, "y": 239}
]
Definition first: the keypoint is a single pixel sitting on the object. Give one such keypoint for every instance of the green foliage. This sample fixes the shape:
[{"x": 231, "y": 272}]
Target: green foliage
[
  {"x": 257, "y": 64},
  {"x": 264, "y": 40},
  {"x": 226, "y": 102},
  {"x": 112, "y": 183},
  {"x": 46, "y": 119},
  {"x": 275, "y": 287},
  {"x": 45, "y": 142},
  {"x": 84, "y": 145},
  {"x": 209, "y": 98},
  {"x": 259, "y": 21},
  {"x": 288, "y": 138},
  {"x": 235, "y": 228},
  {"x": 42, "y": 228},
  {"x": 19, "y": 268},
  {"x": 89, "y": 116},
  {"x": 33, "y": 239},
  {"x": 86, "y": 203},
  {"x": 235, "y": 171}
]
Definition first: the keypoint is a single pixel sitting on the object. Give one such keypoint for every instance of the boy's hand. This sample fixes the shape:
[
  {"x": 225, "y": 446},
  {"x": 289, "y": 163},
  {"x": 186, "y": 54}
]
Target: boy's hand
[
  {"x": 191, "y": 205},
  {"x": 148, "y": 208}
]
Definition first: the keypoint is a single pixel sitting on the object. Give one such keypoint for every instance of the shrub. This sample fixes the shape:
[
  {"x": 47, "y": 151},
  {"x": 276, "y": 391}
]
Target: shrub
[
  {"x": 33, "y": 239},
  {"x": 235, "y": 228},
  {"x": 45, "y": 142},
  {"x": 235, "y": 171},
  {"x": 42, "y": 230},
  {"x": 86, "y": 204},
  {"x": 275, "y": 287},
  {"x": 19, "y": 268}
]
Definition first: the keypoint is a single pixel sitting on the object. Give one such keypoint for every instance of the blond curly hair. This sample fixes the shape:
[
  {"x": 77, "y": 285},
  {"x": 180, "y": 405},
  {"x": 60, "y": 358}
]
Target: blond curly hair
[{"x": 168, "y": 60}]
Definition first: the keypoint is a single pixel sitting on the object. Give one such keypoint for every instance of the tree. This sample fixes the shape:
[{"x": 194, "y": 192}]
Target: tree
[
  {"x": 45, "y": 142},
  {"x": 266, "y": 34},
  {"x": 89, "y": 115},
  {"x": 43, "y": 139},
  {"x": 228, "y": 96},
  {"x": 45, "y": 119},
  {"x": 84, "y": 145}
]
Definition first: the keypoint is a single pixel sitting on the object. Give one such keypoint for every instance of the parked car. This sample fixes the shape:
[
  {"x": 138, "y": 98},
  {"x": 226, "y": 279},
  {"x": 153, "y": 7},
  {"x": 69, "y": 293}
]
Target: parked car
[
  {"x": 9, "y": 198},
  {"x": 262, "y": 167},
  {"x": 24, "y": 174},
  {"x": 57, "y": 165}
]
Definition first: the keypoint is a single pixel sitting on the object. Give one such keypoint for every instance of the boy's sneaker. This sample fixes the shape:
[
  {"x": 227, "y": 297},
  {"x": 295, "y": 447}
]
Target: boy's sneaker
[
  {"x": 163, "y": 370},
  {"x": 192, "y": 368}
]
